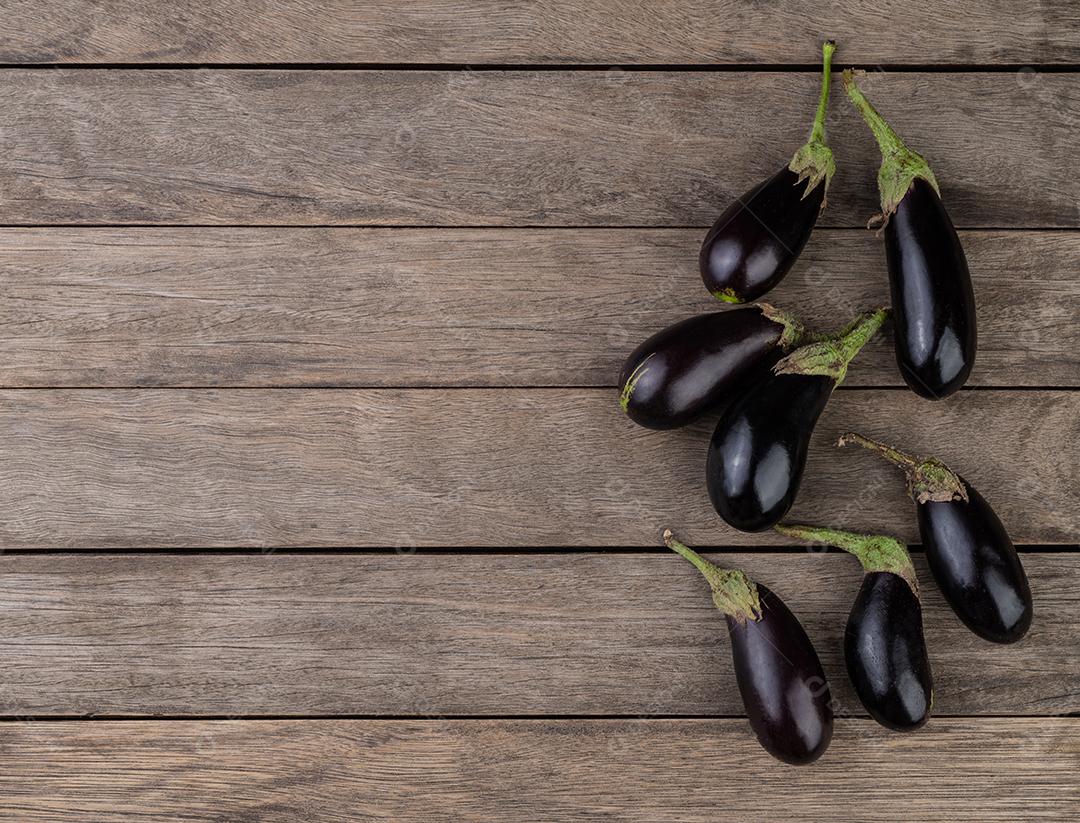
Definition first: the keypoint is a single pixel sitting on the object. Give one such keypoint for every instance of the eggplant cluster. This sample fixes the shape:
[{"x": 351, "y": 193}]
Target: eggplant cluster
[
  {"x": 973, "y": 561},
  {"x": 970, "y": 555},
  {"x": 769, "y": 379}
]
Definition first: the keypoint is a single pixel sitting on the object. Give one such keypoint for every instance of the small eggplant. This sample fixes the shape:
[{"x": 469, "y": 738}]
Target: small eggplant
[
  {"x": 754, "y": 243},
  {"x": 689, "y": 368},
  {"x": 758, "y": 450},
  {"x": 970, "y": 554},
  {"x": 932, "y": 297},
  {"x": 884, "y": 647},
  {"x": 780, "y": 678}
]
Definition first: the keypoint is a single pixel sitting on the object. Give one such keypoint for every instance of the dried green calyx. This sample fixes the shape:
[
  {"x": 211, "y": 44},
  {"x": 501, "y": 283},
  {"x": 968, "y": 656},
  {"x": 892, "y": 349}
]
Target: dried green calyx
[
  {"x": 928, "y": 479},
  {"x": 733, "y": 592},
  {"x": 793, "y": 332},
  {"x": 830, "y": 356},
  {"x": 814, "y": 161},
  {"x": 876, "y": 553},
  {"x": 900, "y": 166}
]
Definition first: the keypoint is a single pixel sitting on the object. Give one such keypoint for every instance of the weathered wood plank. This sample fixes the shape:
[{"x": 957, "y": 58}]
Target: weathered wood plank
[
  {"x": 508, "y": 148},
  {"x": 551, "y": 31},
  {"x": 458, "y": 307},
  {"x": 985, "y": 771},
  {"x": 466, "y": 635},
  {"x": 502, "y": 467}
]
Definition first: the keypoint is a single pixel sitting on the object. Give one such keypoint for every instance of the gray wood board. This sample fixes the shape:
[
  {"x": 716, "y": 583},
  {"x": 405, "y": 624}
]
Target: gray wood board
[
  {"x": 990, "y": 770},
  {"x": 460, "y": 307},
  {"x": 551, "y": 31},
  {"x": 509, "y": 148},
  {"x": 469, "y": 634},
  {"x": 164, "y": 468}
]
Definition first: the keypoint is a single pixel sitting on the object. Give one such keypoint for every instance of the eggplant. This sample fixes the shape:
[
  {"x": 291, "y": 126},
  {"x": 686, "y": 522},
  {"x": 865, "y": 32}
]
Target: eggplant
[
  {"x": 971, "y": 556},
  {"x": 884, "y": 647},
  {"x": 933, "y": 301},
  {"x": 689, "y": 368},
  {"x": 753, "y": 244},
  {"x": 780, "y": 677},
  {"x": 758, "y": 451}
]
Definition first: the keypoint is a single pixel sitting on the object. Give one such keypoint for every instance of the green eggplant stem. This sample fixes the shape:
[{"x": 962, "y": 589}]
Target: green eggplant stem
[
  {"x": 817, "y": 133},
  {"x": 893, "y": 455},
  {"x": 829, "y": 357},
  {"x": 794, "y": 332},
  {"x": 928, "y": 479},
  {"x": 734, "y": 593},
  {"x": 900, "y": 166},
  {"x": 814, "y": 161},
  {"x": 887, "y": 139},
  {"x": 876, "y": 553}
]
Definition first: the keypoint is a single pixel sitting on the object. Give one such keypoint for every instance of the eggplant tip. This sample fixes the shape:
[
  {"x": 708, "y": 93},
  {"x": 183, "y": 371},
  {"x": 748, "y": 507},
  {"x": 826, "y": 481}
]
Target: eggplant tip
[{"x": 728, "y": 295}]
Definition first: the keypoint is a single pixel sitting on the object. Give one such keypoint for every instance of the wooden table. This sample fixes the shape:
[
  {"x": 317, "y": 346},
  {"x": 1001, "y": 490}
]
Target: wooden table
[{"x": 317, "y": 500}]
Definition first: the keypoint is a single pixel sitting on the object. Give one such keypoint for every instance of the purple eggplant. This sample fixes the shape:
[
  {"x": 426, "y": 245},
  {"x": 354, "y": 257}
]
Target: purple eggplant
[
  {"x": 689, "y": 368},
  {"x": 884, "y": 646},
  {"x": 780, "y": 677},
  {"x": 970, "y": 554},
  {"x": 932, "y": 298},
  {"x": 758, "y": 451},
  {"x": 754, "y": 243}
]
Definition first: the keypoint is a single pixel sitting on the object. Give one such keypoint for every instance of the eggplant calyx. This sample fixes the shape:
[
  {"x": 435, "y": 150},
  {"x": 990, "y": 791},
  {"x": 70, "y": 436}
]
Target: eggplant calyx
[
  {"x": 876, "y": 552},
  {"x": 900, "y": 166},
  {"x": 793, "y": 332},
  {"x": 928, "y": 479},
  {"x": 631, "y": 384},
  {"x": 734, "y": 593},
  {"x": 814, "y": 161},
  {"x": 830, "y": 357}
]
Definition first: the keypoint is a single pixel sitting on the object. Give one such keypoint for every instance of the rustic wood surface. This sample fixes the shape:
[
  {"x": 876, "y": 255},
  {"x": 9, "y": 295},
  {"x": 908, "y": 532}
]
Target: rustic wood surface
[
  {"x": 509, "y": 148},
  {"x": 550, "y": 31},
  {"x": 362, "y": 289},
  {"x": 460, "y": 307},
  {"x": 697, "y": 771},
  {"x": 480, "y": 467},
  {"x": 473, "y": 634}
]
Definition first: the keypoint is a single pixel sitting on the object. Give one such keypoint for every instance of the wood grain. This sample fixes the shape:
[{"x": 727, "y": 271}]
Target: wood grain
[
  {"x": 507, "y": 771},
  {"x": 508, "y": 148},
  {"x": 502, "y": 467},
  {"x": 458, "y": 307},
  {"x": 424, "y": 634},
  {"x": 550, "y": 31}
]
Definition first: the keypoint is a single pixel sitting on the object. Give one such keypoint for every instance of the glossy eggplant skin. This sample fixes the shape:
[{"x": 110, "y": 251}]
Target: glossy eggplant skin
[
  {"x": 758, "y": 450},
  {"x": 886, "y": 653},
  {"x": 932, "y": 298},
  {"x": 754, "y": 243},
  {"x": 691, "y": 367},
  {"x": 976, "y": 566},
  {"x": 781, "y": 681}
]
